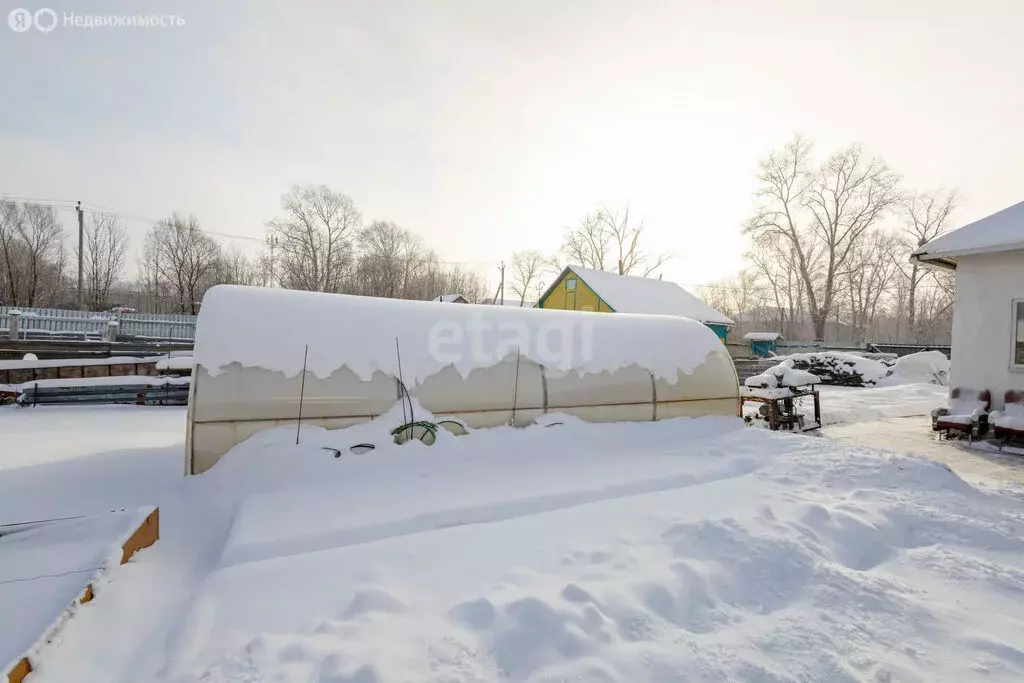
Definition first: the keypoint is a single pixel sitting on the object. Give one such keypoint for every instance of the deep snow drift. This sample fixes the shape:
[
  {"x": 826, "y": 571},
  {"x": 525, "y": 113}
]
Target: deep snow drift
[{"x": 685, "y": 550}]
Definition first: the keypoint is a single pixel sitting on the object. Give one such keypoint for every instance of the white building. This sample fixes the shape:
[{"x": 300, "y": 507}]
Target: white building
[{"x": 988, "y": 315}]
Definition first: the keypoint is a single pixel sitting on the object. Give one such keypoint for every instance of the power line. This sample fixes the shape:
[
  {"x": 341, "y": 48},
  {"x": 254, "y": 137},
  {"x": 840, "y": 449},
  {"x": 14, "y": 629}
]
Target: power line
[{"x": 37, "y": 200}]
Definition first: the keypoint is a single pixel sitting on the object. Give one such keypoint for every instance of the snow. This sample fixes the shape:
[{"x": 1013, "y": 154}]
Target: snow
[
  {"x": 968, "y": 403},
  {"x": 1010, "y": 417},
  {"x": 631, "y": 294},
  {"x": 176, "y": 363},
  {"x": 835, "y": 367},
  {"x": 841, "y": 405},
  {"x": 762, "y": 336},
  {"x": 29, "y": 363},
  {"x": 683, "y": 550},
  {"x": 30, "y": 356},
  {"x": 838, "y": 365},
  {"x": 46, "y": 436},
  {"x": 766, "y": 393},
  {"x": 46, "y": 567},
  {"x": 1009, "y": 421},
  {"x": 361, "y": 332},
  {"x": 865, "y": 404},
  {"x": 121, "y": 380},
  {"x": 781, "y": 376},
  {"x": 1002, "y": 231},
  {"x": 931, "y": 367}
]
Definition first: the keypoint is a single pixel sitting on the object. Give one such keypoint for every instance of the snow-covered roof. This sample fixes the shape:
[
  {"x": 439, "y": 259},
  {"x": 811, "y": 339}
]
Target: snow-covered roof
[
  {"x": 1002, "y": 231},
  {"x": 451, "y": 299},
  {"x": 762, "y": 336},
  {"x": 510, "y": 302},
  {"x": 631, "y": 294},
  {"x": 270, "y": 328}
]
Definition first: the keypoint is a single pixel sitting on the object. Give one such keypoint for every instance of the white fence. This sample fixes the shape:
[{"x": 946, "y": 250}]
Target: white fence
[{"x": 56, "y": 323}]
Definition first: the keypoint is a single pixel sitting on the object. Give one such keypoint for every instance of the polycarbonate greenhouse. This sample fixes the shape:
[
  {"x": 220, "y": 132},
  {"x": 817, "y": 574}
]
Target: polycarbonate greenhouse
[{"x": 484, "y": 365}]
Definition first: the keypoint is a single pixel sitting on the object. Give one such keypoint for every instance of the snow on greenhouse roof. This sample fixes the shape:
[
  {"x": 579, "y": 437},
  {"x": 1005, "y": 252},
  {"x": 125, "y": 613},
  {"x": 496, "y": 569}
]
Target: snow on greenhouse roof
[
  {"x": 270, "y": 328},
  {"x": 631, "y": 294},
  {"x": 1002, "y": 231}
]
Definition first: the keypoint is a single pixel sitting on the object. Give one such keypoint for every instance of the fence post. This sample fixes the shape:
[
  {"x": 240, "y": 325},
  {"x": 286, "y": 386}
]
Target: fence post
[
  {"x": 111, "y": 331},
  {"x": 12, "y": 332}
]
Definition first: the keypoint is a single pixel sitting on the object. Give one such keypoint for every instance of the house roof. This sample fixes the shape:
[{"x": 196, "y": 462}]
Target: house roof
[
  {"x": 762, "y": 336},
  {"x": 1002, "y": 231},
  {"x": 630, "y": 294},
  {"x": 507, "y": 301},
  {"x": 450, "y": 299}
]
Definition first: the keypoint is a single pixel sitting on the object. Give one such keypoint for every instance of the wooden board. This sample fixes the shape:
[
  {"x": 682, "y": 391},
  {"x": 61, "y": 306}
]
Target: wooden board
[{"x": 145, "y": 535}]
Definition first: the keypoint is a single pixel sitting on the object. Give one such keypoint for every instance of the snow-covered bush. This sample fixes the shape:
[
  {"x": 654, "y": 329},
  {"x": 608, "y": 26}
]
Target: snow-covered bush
[{"x": 926, "y": 367}]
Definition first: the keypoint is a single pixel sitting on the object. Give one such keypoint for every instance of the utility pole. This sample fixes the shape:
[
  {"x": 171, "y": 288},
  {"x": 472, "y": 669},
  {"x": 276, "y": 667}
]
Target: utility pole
[
  {"x": 81, "y": 255},
  {"x": 273, "y": 243},
  {"x": 502, "y": 288}
]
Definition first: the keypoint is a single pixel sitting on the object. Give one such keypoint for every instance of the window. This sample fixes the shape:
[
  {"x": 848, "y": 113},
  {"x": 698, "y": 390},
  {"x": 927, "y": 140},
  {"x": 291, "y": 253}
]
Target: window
[
  {"x": 1018, "y": 333},
  {"x": 570, "y": 283}
]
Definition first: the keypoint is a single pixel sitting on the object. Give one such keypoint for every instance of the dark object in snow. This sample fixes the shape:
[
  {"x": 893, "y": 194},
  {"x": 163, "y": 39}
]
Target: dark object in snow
[{"x": 421, "y": 431}]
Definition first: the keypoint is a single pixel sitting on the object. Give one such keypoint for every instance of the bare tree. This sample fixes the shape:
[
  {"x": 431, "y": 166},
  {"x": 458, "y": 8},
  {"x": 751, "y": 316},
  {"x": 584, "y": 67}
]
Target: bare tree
[
  {"x": 821, "y": 213},
  {"x": 935, "y": 307},
  {"x": 527, "y": 268},
  {"x": 775, "y": 261},
  {"x": 237, "y": 268},
  {"x": 587, "y": 244},
  {"x": 181, "y": 260},
  {"x": 11, "y": 251},
  {"x": 314, "y": 237},
  {"x": 738, "y": 297},
  {"x": 925, "y": 216},
  {"x": 389, "y": 258},
  {"x": 869, "y": 273},
  {"x": 392, "y": 262},
  {"x": 609, "y": 235},
  {"x": 32, "y": 254},
  {"x": 103, "y": 261},
  {"x": 467, "y": 283}
]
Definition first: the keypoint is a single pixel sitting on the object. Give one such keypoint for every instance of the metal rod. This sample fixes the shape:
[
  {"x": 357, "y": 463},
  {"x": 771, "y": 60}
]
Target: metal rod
[
  {"x": 81, "y": 251},
  {"x": 302, "y": 395},
  {"x": 401, "y": 380},
  {"x": 515, "y": 391}
]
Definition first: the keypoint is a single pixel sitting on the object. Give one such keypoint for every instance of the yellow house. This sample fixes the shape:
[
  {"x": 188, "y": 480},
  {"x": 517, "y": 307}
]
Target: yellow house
[{"x": 586, "y": 289}]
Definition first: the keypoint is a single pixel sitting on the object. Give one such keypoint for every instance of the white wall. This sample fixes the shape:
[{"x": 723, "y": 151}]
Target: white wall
[{"x": 983, "y": 323}]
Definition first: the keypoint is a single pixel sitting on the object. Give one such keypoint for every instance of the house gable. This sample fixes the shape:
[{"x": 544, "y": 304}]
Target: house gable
[{"x": 571, "y": 292}]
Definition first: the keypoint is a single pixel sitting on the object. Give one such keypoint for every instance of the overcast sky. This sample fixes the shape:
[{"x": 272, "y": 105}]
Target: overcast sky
[{"x": 487, "y": 127}]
